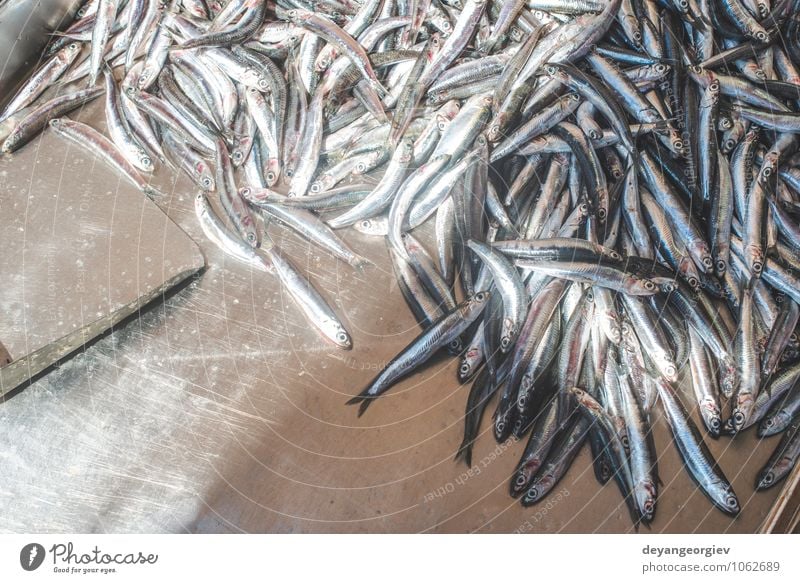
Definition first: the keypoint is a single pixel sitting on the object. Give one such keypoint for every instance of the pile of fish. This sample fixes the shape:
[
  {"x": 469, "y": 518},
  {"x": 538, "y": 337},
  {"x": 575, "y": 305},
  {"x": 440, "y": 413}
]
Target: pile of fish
[{"x": 610, "y": 190}]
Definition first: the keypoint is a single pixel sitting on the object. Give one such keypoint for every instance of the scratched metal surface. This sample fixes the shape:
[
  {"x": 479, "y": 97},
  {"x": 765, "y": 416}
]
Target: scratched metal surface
[{"x": 219, "y": 410}]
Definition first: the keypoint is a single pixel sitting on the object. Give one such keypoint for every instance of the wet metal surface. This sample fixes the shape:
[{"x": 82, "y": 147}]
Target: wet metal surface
[{"x": 81, "y": 251}]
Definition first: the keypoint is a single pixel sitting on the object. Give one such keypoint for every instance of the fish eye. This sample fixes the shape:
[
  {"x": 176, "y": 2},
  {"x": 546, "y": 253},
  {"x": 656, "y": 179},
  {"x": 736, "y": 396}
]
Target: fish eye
[
  {"x": 252, "y": 237},
  {"x": 649, "y": 285},
  {"x": 270, "y": 176},
  {"x": 464, "y": 368},
  {"x": 342, "y": 337},
  {"x": 533, "y": 493},
  {"x": 715, "y": 423},
  {"x": 520, "y": 481},
  {"x": 738, "y": 418},
  {"x": 768, "y": 478},
  {"x": 366, "y": 223},
  {"x": 480, "y": 296},
  {"x": 206, "y": 182},
  {"x": 315, "y": 187},
  {"x": 732, "y": 502}
]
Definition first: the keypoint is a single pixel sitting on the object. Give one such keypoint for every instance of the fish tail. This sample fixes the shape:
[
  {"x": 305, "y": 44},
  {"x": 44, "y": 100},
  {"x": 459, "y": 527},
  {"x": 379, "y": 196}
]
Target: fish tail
[
  {"x": 365, "y": 402},
  {"x": 355, "y": 400}
]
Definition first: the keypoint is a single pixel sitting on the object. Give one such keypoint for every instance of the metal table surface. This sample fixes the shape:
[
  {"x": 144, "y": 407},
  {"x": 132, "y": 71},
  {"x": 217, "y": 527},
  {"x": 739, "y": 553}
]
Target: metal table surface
[{"x": 220, "y": 410}]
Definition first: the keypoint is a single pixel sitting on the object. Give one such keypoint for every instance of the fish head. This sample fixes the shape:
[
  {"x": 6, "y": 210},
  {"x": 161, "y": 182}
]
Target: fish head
[
  {"x": 523, "y": 476},
  {"x": 335, "y": 332},
  {"x": 774, "y": 423},
  {"x": 646, "y": 500},
  {"x": 765, "y": 480},
  {"x": 542, "y": 485},
  {"x": 481, "y": 298},
  {"x": 710, "y": 412},
  {"x": 378, "y": 227},
  {"x": 146, "y": 78},
  {"x": 272, "y": 171},
  {"x": 640, "y": 287},
  {"x": 728, "y": 502},
  {"x": 468, "y": 363},
  {"x": 508, "y": 335},
  {"x": 71, "y": 50},
  {"x": 204, "y": 177}
]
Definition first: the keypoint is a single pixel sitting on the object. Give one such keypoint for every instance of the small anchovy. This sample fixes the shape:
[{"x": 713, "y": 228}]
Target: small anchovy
[
  {"x": 101, "y": 33},
  {"x": 316, "y": 310},
  {"x": 422, "y": 348},
  {"x": 35, "y": 120},
  {"x": 782, "y": 460},
  {"x": 559, "y": 460},
  {"x": 697, "y": 459},
  {"x": 42, "y": 79},
  {"x": 100, "y": 146},
  {"x": 216, "y": 231},
  {"x": 307, "y": 224}
]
